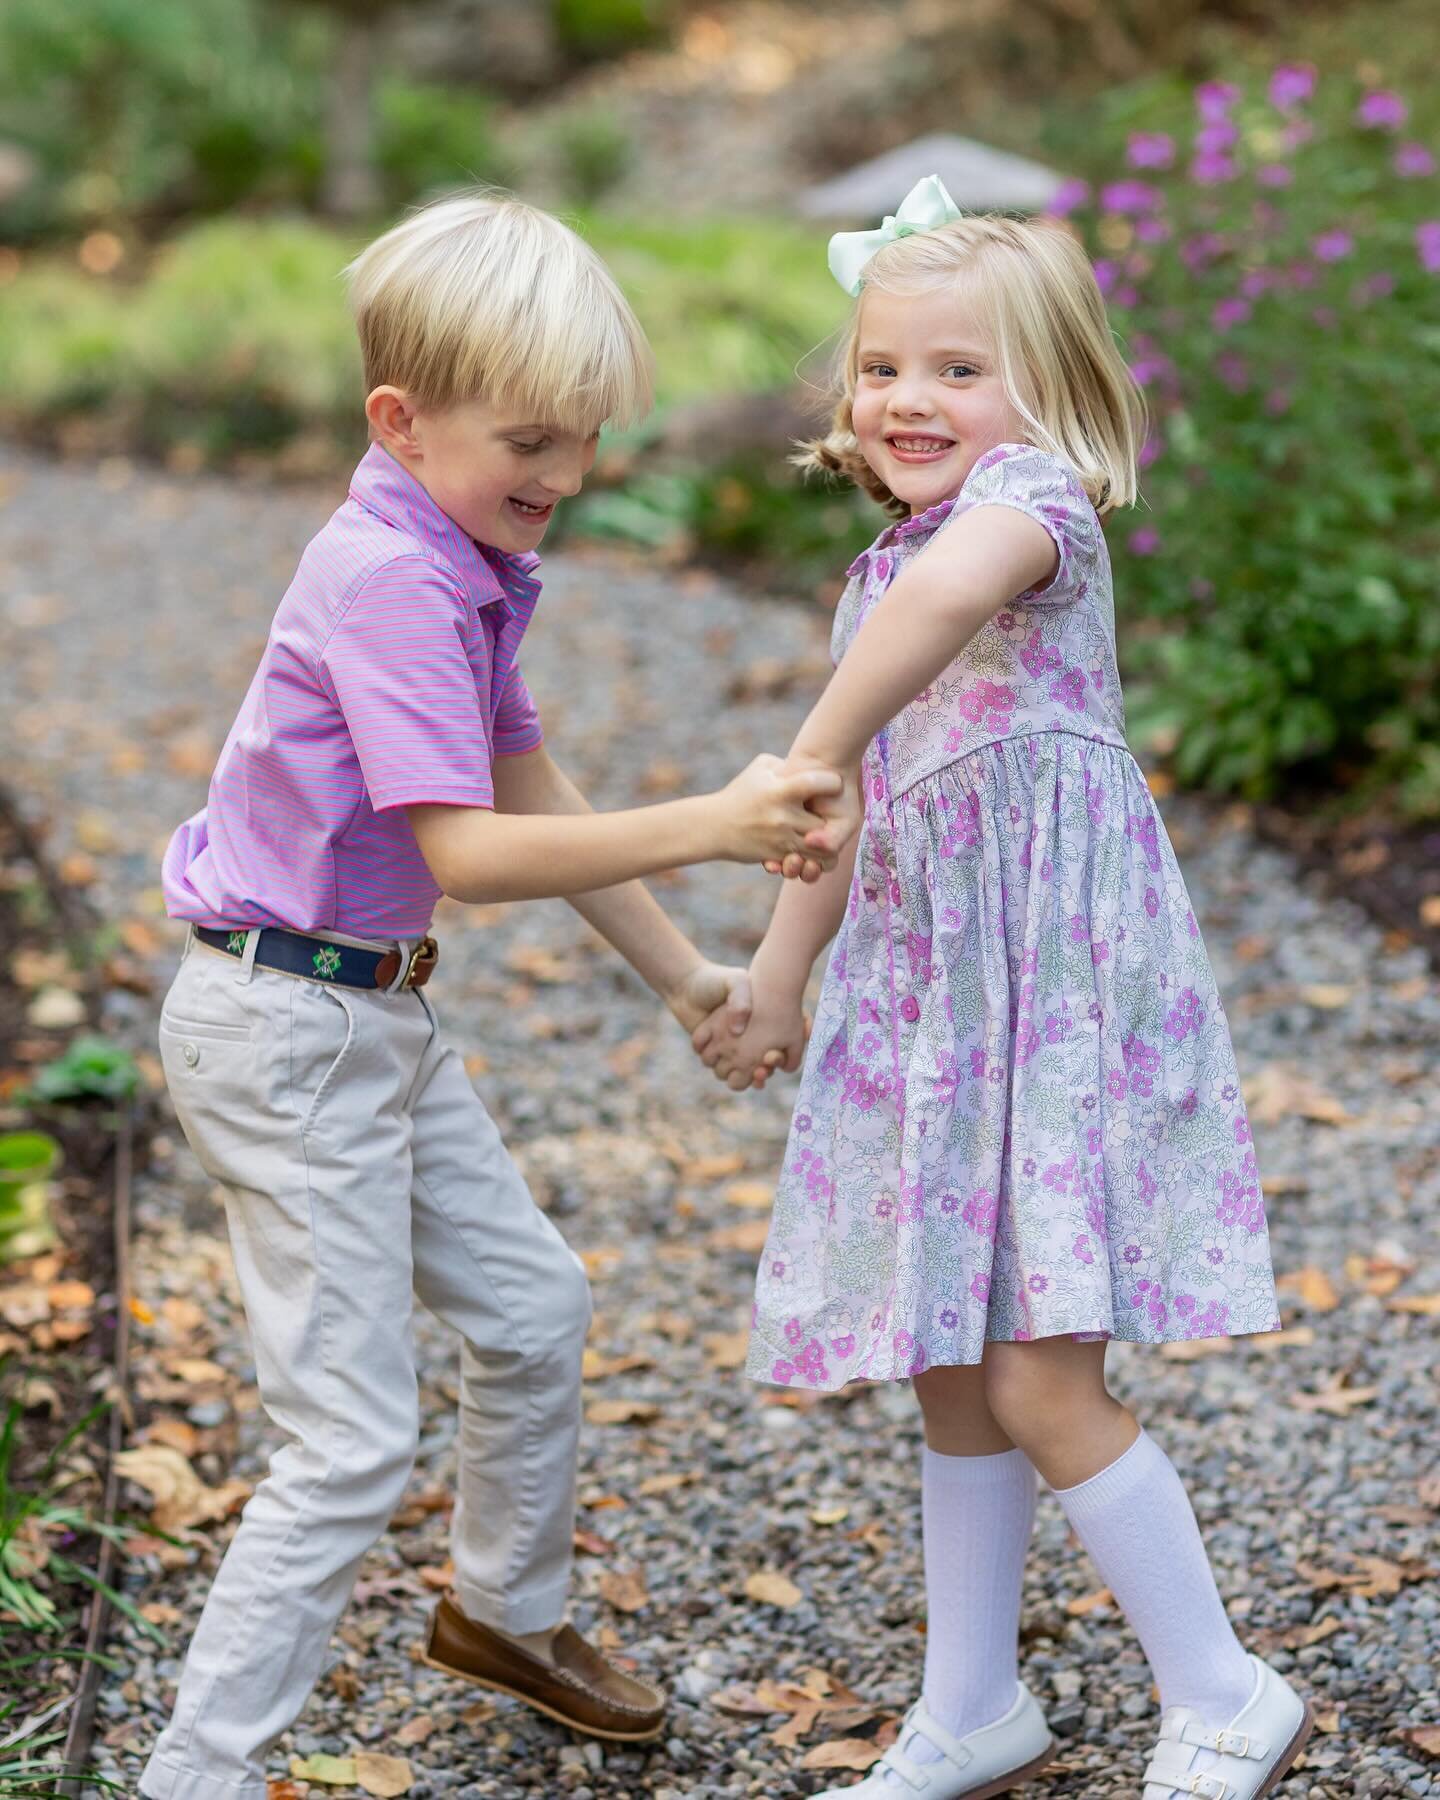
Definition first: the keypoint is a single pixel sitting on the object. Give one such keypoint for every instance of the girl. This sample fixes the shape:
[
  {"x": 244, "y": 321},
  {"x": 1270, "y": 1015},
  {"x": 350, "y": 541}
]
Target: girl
[{"x": 1019, "y": 1131}]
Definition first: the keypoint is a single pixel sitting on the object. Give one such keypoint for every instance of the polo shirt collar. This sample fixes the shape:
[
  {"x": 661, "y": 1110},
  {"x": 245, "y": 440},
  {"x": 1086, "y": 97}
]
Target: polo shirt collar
[{"x": 384, "y": 487}]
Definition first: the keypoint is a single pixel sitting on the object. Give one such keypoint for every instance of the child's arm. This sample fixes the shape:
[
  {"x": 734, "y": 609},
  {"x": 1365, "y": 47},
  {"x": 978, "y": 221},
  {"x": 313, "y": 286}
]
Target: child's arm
[
  {"x": 626, "y": 916},
  {"x": 746, "y": 1047},
  {"x": 930, "y": 613},
  {"x": 478, "y": 855}
]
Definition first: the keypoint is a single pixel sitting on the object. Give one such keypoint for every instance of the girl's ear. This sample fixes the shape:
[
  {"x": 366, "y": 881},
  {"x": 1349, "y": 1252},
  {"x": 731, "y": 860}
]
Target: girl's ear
[{"x": 391, "y": 413}]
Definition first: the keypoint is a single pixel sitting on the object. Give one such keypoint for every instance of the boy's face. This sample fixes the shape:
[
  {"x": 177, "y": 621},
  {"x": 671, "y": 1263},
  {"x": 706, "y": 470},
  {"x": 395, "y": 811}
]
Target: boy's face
[
  {"x": 929, "y": 400},
  {"x": 498, "y": 477}
]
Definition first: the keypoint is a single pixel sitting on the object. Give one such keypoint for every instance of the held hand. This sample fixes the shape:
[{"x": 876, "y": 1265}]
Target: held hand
[
  {"x": 745, "y": 1049},
  {"x": 839, "y": 815},
  {"x": 712, "y": 988},
  {"x": 764, "y": 814}
]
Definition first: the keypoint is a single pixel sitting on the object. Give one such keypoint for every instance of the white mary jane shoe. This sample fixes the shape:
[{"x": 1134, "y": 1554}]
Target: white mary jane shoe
[
  {"x": 1252, "y": 1752},
  {"x": 989, "y": 1761}
]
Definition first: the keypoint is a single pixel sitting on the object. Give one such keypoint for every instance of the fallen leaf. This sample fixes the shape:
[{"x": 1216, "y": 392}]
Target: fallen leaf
[
  {"x": 1427, "y": 1305},
  {"x": 345, "y": 1682},
  {"x": 1275, "y": 1185},
  {"x": 1424, "y": 1738},
  {"x": 706, "y": 1169},
  {"x": 437, "y": 1576},
  {"x": 842, "y": 1753},
  {"x": 592, "y": 1544},
  {"x": 727, "y": 1349},
  {"x": 829, "y": 1515},
  {"x": 1379, "y": 1275},
  {"x": 66, "y": 1296},
  {"x": 665, "y": 1484},
  {"x": 479, "y": 1712},
  {"x": 1328, "y": 1721},
  {"x": 1299, "y": 1637},
  {"x": 1327, "y": 995},
  {"x": 621, "y": 1412},
  {"x": 1312, "y": 1287},
  {"x": 416, "y": 1730},
  {"x": 595, "y": 1366},
  {"x": 142, "y": 1314},
  {"x": 749, "y": 1237},
  {"x": 1373, "y": 1577},
  {"x": 771, "y": 1588},
  {"x": 1279, "y": 1091},
  {"x": 1087, "y": 1603},
  {"x": 600, "y": 1263},
  {"x": 277, "y": 1788},
  {"x": 624, "y": 1589},
  {"x": 180, "y": 1498},
  {"x": 605, "y": 1502},
  {"x": 333, "y": 1771},
  {"x": 1335, "y": 1397},
  {"x": 199, "y": 1371},
  {"x": 160, "y": 1614},
  {"x": 759, "y": 1196},
  {"x": 1296, "y": 1337},
  {"x": 384, "y": 1776},
  {"x": 182, "y": 1316}
]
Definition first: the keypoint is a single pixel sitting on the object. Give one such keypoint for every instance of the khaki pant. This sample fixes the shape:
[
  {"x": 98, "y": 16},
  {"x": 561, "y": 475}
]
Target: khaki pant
[{"x": 360, "y": 1167}]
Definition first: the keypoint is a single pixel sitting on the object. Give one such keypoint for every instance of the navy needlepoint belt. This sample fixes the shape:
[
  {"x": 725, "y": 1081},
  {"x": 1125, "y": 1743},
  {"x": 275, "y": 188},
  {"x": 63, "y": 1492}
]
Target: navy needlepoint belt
[{"x": 316, "y": 959}]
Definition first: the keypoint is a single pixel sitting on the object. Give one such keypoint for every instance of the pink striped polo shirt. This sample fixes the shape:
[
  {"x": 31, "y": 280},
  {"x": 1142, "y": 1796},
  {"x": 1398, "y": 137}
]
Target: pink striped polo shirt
[{"x": 388, "y": 679}]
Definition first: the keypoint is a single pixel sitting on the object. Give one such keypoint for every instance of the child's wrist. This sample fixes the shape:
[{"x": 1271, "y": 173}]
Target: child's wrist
[{"x": 777, "y": 975}]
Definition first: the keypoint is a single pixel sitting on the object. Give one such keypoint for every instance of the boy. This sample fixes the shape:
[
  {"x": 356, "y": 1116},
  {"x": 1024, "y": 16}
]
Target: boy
[{"x": 388, "y": 750}]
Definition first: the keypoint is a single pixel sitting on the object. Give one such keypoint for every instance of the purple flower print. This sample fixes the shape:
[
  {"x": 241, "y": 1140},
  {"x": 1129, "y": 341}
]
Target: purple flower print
[
  {"x": 869, "y": 1013},
  {"x": 782, "y": 1372},
  {"x": 1184, "y": 1305},
  {"x": 1081, "y": 1250},
  {"x": 1150, "y": 150},
  {"x": 1100, "y": 949},
  {"x": 1214, "y": 1321},
  {"x": 977, "y": 1065},
  {"x": 810, "y": 1364},
  {"x": 1079, "y": 928},
  {"x": 949, "y": 1203},
  {"x": 1094, "y": 1140},
  {"x": 945, "y": 1315},
  {"x": 1039, "y": 1282},
  {"x": 910, "y": 1208},
  {"x": 1027, "y": 1041},
  {"x": 843, "y": 1345},
  {"x": 1135, "y": 1256},
  {"x": 1214, "y": 1251},
  {"x": 1240, "y": 1202},
  {"x": 803, "y": 1121},
  {"x": 1039, "y": 659},
  {"x": 1413, "y": 160},
  {"x": 1059, "y": 1177},
  {"x": 779, "y": 1268},
  {"x": 1116, "y": 1085},
  {"x": 987, "y": 703},
  {"x": 980, "y": 1287},
  {"x": 1069, "y": 690},
  {"x": 1242, "y": 1131},
  {"x": 1147, "y": 1185},
  {"x": 1005, "y": 620},
  {"x": 1189, "y": 1101},
  {"x": 902, "y": 1343},
  {"x": 1152, "y": 902},
  {"x": 982, "y": 1209},
  {"x": 1229, "y": 1091},
  {"x": 1382, "y": 111},
  {"x": 1095, "y": 1214},
  {"x": 1142, "y": 1063},
  {"x": 869, "y": 1043},
  {"x": 1027, "y": 1167},
  {"x": 882, "y": 1207},
  {"x": 964, "y": 828},
  {"x": 794, "y": 1331},
  {"x": 1185, "y": 1016},
  {"x": 1143, "y": 829},
  {"x": 1291, "y": 85}
]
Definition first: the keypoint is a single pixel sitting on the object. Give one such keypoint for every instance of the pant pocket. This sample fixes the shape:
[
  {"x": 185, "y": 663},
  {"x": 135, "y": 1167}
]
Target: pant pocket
[{"x": 324, "y": 1037}]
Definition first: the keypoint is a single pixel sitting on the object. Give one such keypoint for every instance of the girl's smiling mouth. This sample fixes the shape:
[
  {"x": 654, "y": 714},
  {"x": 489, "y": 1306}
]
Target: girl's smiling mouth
[
  {"x": 529, "y": 511},
  {"x": 918, "y": 446}
]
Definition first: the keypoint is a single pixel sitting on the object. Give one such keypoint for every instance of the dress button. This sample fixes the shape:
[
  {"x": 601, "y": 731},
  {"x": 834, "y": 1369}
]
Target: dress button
[
  {"x": 191, "y": 1053},
  {"x": 910, "y": 1008}
]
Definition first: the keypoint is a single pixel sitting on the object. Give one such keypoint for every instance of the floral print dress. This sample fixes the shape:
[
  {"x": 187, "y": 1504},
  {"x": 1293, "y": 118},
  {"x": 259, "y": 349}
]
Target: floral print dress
[{"x": 1019, "y": 1114}]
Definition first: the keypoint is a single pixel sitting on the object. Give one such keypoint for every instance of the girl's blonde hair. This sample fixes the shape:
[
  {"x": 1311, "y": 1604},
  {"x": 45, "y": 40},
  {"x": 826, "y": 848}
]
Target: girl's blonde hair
[
  {"x": 1036, "y": 298},
  {"x": 483, "y": 297}
]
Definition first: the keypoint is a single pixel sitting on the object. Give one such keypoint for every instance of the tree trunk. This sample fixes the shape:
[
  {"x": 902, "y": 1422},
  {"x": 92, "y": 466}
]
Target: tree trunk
[{"x": 351, "y": 189}]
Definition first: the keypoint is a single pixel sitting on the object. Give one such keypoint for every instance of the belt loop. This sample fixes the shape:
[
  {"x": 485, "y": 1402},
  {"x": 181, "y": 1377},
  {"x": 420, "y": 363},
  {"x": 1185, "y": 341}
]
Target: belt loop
[
  {"x": 247, "y": 961},
  {"x": 407, "y": 946},
  {"x": 189, "y": 942}
]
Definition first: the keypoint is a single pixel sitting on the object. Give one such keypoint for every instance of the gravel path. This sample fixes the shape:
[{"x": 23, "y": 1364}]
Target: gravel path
[{"x": 131, "y": 611}]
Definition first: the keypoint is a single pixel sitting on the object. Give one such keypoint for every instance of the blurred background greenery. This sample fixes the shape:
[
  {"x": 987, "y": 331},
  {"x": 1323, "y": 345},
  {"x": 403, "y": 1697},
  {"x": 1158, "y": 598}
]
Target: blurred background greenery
[{"x": 181, "y": 181}]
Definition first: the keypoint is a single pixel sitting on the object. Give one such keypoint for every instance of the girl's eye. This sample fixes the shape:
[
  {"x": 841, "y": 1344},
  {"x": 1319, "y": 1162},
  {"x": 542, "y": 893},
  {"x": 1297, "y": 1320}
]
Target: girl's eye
[
  {"x": 959, "y": 371},
  {"x": 878, "y": 369},
  {"x": 526, "y": 449}
]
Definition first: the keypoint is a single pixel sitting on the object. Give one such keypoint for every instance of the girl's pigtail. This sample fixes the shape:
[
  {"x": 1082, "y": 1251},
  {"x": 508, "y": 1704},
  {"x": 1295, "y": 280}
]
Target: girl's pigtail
[{"x": 838, "y": 454}]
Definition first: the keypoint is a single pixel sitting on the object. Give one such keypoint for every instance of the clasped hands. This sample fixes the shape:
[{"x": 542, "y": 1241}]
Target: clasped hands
[{"x": 759, "y": 1025}]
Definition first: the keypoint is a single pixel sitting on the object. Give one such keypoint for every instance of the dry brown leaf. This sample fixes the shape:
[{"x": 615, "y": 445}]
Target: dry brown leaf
[
  {"x": 437, "y": 1576},
  {"x": 665, "y": 1484},
  {"x": 758, "y": 1196},
  {"x": 479, "y": 1712},
  {"x": 1327, "y": 995},
  {"x": 595, "y": 1365},
  {"x": 600, "y": 1263},
  {"x": 842, "y": 1753},
  {"x": 179, "y": 1434},
  {"x": 1335, "y": 1397},
  {"x": 771, "y": 1588},
  {"x": 1328, "y": 1721},
  {"x": 744, "y": 1702},
  {"x": 277, "y": 1788},
  {"x": 1295, "y": 1337},
  {"x": 1379, "y": 1275},
  {"x": 384, "y": 1776},
  {"x": 749, "y": 1237},
  {"x": 199, "y": 1371},
  {"x": 180, "y": 1498},
  {"x": 160, "y": 1614},
  {"x": 727, "y": 1349},
  {"x": 1298, "y": 1637},
  {"x": 416, "y": 1730},
  {"x": 1427, "y": 1305},
  {"x": 1424, "y": 1738},
  {"x": 70, "y": 1296},
  {"x": 1087, "y": 1603},
  {"x": 182, "y": 1316},
  {"x": 1373, "y": 1577},
  {"x": 1280, "y": 1091},
  {"x": 829, "y": 1515},
  {"x": 1312, "y": 1287},
  {"x": 605, "y": 1502},
  {"x": 621, "y": 1412},
  {"x": 624, "y": 1589},
  {"x": 590, "y": 1543},
  {"x": 345, "y": 1682},
  {"x": 1274, "y": 1185},
  {"x": 706, "y": 1169}
]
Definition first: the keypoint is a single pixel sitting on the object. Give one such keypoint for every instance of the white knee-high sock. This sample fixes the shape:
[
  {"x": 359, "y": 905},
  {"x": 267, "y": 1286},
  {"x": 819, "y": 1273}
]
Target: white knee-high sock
[
  {"x": 1136, "y": 1521},
  {"x": 977, "y": 1513}
]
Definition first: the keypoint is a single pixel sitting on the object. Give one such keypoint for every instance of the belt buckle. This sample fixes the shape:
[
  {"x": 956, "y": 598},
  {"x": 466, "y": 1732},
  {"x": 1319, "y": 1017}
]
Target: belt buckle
[{"x": 424, "y": 956}]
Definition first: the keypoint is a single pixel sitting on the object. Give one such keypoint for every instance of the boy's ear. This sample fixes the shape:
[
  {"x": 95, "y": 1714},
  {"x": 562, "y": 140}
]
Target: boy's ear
[{"x": 391, "y": 413}]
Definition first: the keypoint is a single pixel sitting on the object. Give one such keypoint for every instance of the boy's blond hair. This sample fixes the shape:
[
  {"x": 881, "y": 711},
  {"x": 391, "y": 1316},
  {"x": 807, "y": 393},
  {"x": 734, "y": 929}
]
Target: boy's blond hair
[
  {"x": 1036, "y": 298},
  {"x": 481, "y": 297}
]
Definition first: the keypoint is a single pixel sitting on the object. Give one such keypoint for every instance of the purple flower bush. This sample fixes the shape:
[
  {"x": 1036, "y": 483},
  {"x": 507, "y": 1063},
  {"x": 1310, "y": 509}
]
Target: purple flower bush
[{"x": 1272, "y": 265}]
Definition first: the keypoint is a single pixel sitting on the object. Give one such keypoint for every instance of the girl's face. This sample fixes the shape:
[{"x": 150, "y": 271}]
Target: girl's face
[
  {"x": 499, "y": 478},
  {"x": 929, "y": 401}
]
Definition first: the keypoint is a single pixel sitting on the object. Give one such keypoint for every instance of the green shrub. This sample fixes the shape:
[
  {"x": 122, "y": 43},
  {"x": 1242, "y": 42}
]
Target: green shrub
[
  {"x": 594, "y": 151},
  {"x": 430, "y": 138},
  {"x": 600, "y": 28},
  {"x": 1273, "y": 273}
]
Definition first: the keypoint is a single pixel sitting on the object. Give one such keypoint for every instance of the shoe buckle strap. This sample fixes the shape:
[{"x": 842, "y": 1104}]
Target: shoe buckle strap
[
  {"x": 1206, "y": 1787},
  {"x": 909, "y": 1772},
  {"x": 1227, "y": 1742}
]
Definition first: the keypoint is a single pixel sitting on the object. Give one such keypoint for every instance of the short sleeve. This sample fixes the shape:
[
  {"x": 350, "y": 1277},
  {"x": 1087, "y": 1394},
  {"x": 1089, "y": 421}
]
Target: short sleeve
[
  {"x": 1048, "y": 491},
  {"x": 398, "y": 667},
  {"x": 517, "y": 719}
]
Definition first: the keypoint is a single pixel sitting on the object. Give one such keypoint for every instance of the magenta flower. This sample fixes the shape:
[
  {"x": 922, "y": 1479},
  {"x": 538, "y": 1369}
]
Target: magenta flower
[
  {"x": 1275, "y": 175},
  {"x": 1200, "y": 250},
  {"x": 1151, "y": 451},
  {"x": 1150, "y": 150},
  {"x": 1218, "y": 136},
  {"x": 1153, "y": 231},
  {"x": 1145, "y": 541},
  {"x": 1382, "y": 111},
  {"x": 1231, "y": 312},
  {"x": 1291, "y": 84},
  {"x": 1255, "y": 284},
  {"x": 1374, "y": 287},
  {"x": 1131, "y": 197},
  {"x": 1333, "y": 246},
  {"x": 1069, "y": 197},
  {"x": 1212, "y": 170},
  {"x": 1148, "y": 369},
  {"x": 1106, "y": 274},
  {"x": 1427, "y": 243},
  {"x": 1414, "y": 159},
  {"x": 1215, "y": 98}
]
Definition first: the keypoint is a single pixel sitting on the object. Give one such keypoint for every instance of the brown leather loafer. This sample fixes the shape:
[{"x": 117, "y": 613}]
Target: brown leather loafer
[{"x": 582, "y": 1690}]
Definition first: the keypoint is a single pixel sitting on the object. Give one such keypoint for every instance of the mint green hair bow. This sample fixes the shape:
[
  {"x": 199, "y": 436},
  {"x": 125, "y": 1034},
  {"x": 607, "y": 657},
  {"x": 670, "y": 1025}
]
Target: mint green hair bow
[{"x": 923, "y": 208}]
